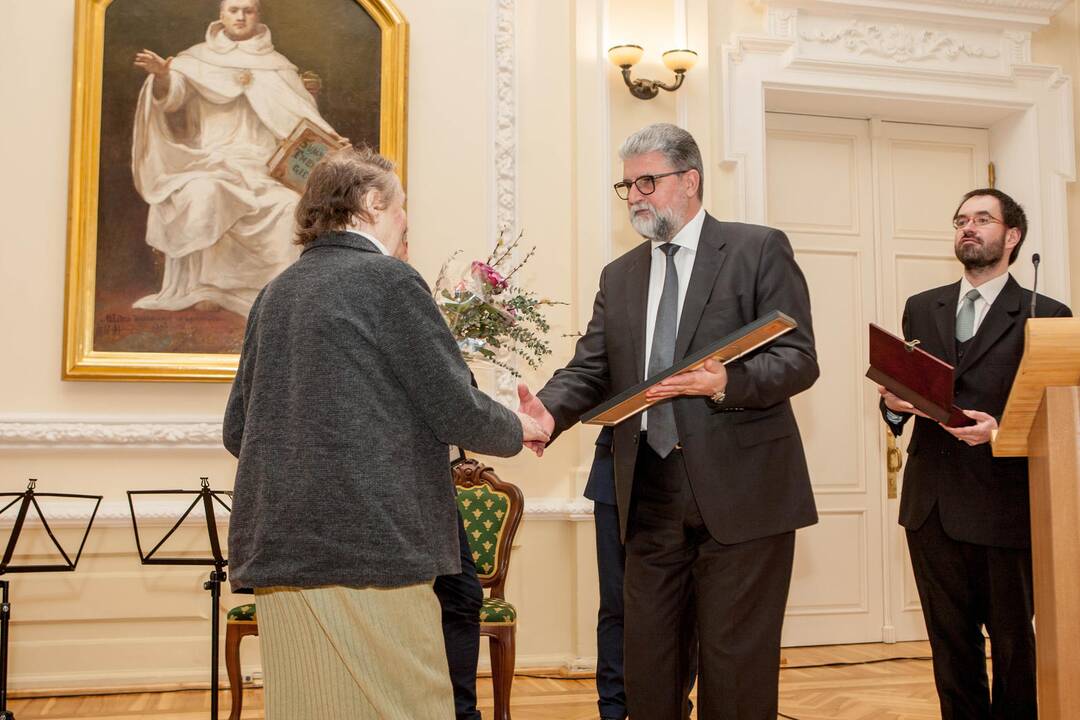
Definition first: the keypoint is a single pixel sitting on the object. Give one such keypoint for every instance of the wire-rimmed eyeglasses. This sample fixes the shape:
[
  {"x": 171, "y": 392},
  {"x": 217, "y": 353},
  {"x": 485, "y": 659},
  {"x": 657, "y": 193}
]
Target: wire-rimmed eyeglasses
[{"x": 960, "y": 221}]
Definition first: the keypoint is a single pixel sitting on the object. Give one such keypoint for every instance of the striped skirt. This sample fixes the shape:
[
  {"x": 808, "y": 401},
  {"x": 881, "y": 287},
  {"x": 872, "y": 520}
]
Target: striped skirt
[{"x": 337, "y": 652}]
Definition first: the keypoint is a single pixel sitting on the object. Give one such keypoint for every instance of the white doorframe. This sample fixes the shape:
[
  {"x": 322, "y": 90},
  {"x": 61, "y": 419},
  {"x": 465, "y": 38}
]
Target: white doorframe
[{"x": 951, "y": 62}]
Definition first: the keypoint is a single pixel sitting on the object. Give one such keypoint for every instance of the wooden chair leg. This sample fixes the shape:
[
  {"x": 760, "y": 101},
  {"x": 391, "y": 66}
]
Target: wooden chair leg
[
  {"x": 502, "y": 651},
  {"x": 234, "y": 633}
]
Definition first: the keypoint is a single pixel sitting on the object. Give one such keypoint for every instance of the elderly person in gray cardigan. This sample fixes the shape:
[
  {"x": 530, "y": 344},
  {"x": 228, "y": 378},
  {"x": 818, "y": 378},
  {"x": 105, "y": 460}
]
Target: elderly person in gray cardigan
[{"x": 349, "y": 390}]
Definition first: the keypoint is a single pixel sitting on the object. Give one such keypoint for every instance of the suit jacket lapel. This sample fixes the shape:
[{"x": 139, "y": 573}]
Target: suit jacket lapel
[
  {"x": 710, "y": 256},
  {"x": 999, "y": 318},
  {"x": 944, "y": 313},
  {"x": 637, "y": 295}
]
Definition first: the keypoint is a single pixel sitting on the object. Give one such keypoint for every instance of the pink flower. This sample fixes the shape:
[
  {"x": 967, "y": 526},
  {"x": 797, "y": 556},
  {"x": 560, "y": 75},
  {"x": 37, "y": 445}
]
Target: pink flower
[{"x": 488, "y": 274}]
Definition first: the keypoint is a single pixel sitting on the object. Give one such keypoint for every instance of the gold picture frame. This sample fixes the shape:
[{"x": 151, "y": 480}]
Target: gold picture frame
[{"x": 81, "y": 359}]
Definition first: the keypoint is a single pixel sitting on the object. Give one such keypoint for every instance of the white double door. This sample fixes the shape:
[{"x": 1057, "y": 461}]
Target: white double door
[{"x": 867, "y": 205}]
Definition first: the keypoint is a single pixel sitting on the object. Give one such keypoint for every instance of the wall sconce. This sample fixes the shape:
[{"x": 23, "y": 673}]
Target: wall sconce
[{"x": 626, "y": 56}]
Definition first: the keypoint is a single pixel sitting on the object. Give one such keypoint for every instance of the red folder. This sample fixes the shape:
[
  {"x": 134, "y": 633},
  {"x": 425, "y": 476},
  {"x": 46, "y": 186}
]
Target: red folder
[{"x": 914, "y": 375}]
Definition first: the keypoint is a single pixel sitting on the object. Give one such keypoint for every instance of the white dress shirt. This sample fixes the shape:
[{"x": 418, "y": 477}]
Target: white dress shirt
[
  {"x": 687, "y": 240},
  {"x": 378, "y": 245},
  {"x": 988, "y": 293}
]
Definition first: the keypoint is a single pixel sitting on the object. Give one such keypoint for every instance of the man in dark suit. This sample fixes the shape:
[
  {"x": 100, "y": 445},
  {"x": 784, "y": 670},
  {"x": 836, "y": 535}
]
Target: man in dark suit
[
  {"x": 712, "y": 482},
  {"x": 965, "y": 511},
  {"x": 460, "y": 599},
  {"x": 610, "y": 570},
  {"x": 610, "y": 563}
]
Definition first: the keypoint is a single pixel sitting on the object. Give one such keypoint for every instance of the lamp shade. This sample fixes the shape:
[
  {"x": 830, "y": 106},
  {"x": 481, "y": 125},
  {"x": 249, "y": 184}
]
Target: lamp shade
[
  {"x": 679, "y": 60},
  {"x": 625, "y": 55}
]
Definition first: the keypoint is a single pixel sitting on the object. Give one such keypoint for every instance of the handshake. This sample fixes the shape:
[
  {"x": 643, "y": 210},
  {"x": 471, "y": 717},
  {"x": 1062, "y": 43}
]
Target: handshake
[{"x": 536, "y": 422}]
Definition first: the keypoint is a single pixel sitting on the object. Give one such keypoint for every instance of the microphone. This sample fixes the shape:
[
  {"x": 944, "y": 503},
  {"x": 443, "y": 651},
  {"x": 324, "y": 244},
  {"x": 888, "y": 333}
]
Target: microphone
[{"x": 1034, "y": 285}]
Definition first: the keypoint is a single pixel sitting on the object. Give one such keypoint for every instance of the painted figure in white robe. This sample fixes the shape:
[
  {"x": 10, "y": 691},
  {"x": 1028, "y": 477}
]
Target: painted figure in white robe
[{"x": 206, "y": 123}]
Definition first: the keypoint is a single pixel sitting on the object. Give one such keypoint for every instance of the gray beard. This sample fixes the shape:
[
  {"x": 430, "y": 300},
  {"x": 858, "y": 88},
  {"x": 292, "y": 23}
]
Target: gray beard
[{"x": 659, "y": 225}]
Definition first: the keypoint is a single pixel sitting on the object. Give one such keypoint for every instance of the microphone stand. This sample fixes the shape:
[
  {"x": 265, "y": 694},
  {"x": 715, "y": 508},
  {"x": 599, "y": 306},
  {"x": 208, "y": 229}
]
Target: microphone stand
[{"x": 1034, "y": 285}]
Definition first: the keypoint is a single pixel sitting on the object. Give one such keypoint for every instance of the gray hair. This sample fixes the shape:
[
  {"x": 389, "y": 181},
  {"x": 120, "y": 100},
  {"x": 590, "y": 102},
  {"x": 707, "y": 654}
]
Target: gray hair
[
  {"x": 337, "y": 189},
  {"x": 671, "y": 141}
]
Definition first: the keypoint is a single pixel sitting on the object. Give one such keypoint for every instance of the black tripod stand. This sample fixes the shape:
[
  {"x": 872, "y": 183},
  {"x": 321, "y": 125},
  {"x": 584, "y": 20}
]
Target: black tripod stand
[
  {"x": 27, "y": 500},
  {"x": 205, "y": 498}
]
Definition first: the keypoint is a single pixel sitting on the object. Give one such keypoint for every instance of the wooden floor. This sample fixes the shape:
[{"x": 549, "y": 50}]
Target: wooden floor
[{"x": 810, "y": 689}]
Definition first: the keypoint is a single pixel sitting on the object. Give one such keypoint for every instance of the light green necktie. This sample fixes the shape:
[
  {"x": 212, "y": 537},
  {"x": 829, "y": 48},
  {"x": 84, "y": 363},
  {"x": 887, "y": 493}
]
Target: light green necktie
[{"x": 965, "y": 319}]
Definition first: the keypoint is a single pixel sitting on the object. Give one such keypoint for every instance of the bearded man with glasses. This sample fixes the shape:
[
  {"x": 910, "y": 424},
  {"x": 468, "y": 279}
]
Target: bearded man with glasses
[
  {"x": 965, "y": 511},
  {"x": 711, "y": 482}
]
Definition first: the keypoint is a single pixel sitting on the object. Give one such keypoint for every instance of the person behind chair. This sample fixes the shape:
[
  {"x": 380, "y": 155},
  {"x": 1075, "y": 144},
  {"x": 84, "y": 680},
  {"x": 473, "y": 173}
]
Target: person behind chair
[
  {"x": 610, "y": 571},
  {"x": 610, "y": 565},
  {"x": 461, "y": 596},
  {"x": 966, "y": 512},
  {"x": 349, "y": 390}
]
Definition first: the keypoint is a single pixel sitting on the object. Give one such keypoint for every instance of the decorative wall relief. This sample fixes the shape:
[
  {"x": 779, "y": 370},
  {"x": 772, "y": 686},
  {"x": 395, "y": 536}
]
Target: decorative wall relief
[
  {"x": 899, "y": 43},
  {"x": 506, "y": 214}
]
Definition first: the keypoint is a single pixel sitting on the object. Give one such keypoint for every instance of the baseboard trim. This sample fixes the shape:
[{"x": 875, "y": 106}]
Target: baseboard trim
[{"x": 114, "y": 683}]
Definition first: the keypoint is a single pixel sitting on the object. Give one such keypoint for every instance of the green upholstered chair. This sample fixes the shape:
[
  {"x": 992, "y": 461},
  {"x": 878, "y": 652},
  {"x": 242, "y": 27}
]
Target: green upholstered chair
[
  {"x": 240, "y": 621},
  {"x": 491, "y": 511}
]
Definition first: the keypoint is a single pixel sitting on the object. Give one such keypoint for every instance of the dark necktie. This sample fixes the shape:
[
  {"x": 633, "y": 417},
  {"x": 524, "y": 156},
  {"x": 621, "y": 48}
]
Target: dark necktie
[{"x": 663, "y": 435}]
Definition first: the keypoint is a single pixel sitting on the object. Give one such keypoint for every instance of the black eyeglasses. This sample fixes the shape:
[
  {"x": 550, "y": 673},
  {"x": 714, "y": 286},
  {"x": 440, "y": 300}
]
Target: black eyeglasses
[{"x": 646, "y": 184}]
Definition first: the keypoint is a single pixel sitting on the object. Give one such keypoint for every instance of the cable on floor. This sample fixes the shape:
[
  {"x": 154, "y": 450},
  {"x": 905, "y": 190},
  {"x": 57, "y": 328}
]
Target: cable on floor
[{"x": 844, "y": 663}]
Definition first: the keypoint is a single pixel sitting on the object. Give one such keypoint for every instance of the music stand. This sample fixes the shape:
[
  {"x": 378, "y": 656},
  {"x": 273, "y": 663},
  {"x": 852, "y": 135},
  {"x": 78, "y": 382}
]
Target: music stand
[
  {"x": 26, "y": 500},
  {"x": 206, "y": 498}
]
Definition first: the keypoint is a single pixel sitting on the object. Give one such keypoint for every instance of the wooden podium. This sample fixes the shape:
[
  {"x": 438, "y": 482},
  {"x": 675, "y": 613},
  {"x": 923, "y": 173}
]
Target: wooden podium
[{"x": 1042, "y": 422}]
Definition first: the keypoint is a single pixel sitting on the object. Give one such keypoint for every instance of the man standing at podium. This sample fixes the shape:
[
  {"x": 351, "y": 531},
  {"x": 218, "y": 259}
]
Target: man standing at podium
[{"x": 965, "y": 511}]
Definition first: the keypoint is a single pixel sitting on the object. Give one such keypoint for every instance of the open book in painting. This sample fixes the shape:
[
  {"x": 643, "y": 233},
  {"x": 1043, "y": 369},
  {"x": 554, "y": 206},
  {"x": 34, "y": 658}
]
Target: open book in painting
[{"x": 297, "y": 154}]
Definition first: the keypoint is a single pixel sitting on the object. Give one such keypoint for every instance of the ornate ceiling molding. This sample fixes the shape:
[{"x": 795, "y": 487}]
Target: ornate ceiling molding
[
  {"x": 1049, "y": 8},
  {"x": 1025, "y": 15}
]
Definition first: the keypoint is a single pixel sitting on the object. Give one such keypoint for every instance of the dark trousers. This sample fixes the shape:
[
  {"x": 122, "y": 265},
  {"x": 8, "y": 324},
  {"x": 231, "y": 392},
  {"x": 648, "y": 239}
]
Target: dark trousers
[
  {"x": 678, "y": 576},
  {"x": 963, "y": 587},
  {"x": 460, "y": 597},
  {"x": 610, "y": 561}
]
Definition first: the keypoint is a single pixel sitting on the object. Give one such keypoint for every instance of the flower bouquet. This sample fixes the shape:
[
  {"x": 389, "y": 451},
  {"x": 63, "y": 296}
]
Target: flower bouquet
[{"x": 488, "y": 314}]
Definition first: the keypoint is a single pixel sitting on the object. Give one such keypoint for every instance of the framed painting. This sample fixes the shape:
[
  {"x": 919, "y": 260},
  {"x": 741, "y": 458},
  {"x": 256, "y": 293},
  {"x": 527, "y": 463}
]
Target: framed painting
[{"x": 175, "y": 217}]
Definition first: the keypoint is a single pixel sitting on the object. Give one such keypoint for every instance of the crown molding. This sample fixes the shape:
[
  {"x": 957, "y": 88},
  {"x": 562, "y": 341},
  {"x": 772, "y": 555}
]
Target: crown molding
[{"x": 1026, "y": 15}]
